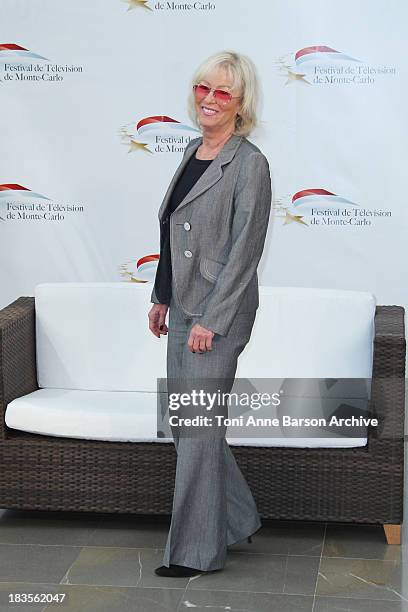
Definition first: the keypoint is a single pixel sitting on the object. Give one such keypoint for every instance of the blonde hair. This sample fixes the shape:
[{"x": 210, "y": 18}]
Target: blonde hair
[{"x": 244, "y": 79}]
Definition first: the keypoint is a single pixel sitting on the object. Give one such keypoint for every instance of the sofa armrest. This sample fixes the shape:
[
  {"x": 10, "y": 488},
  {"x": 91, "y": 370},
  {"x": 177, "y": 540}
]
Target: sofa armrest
[
  {"x": 388, "y": 379},
  {"x": 18, "y": 371}
]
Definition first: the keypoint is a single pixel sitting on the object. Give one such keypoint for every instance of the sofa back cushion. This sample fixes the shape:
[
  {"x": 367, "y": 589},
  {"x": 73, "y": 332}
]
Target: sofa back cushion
[
  {"x": 314, "y": 348},
  {"x": 310, "y": 333},
  {"x": 95, "y": 336}
]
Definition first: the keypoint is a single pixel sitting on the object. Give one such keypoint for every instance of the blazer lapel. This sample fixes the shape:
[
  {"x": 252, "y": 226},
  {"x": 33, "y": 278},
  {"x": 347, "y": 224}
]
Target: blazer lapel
[
  {"x": 176, "y": 176},
  {"x": 209, "y": 177}
]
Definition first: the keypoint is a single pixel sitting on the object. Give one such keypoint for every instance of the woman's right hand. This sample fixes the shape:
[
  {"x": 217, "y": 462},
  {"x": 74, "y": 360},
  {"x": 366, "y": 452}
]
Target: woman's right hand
[{"x": 157, "y": 319}]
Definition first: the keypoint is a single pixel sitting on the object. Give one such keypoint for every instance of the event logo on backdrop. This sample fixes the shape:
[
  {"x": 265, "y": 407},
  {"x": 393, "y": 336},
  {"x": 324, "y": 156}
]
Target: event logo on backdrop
[
  {"x": 141, "y": 271},
  {"x": 158, "y": 134},
  {"x": 169, "y": 6},
  {"x": 20, "y": 64},
  {"x": 322, "y": 208},
  {"x": 18, "y": 203},
  {"x": 322, "y": 65}
]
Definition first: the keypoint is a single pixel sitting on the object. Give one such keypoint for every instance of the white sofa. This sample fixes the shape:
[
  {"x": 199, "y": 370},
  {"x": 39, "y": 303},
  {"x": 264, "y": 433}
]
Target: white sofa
[{"x": 98, "y": 363}]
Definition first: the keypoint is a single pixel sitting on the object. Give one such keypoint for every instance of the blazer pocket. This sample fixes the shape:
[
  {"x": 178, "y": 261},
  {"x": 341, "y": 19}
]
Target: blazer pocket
[{"x": 210, "y": 269}]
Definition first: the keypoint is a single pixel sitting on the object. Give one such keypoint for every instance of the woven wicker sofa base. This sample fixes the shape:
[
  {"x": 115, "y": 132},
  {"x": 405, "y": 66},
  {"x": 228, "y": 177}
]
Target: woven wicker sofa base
[{"x": 341, "y": 485}]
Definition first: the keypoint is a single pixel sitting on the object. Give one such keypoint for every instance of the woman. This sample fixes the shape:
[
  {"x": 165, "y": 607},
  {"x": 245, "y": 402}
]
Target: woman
[{"x": 213, "y": 223}]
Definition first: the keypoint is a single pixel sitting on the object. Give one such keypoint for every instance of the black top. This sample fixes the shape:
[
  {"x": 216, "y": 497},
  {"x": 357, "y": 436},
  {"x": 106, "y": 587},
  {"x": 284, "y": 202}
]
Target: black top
[{"x": 190, "y": 175}]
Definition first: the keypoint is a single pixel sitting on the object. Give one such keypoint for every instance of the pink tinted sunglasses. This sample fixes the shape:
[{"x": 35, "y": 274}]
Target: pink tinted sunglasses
[{"x": 201, "y": 91}]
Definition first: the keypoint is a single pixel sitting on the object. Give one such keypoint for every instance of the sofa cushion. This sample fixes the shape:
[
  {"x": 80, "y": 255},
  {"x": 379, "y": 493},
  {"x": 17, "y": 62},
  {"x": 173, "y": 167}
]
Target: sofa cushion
[
  {"x": 312, "y": 342},
  {"x": 119, "y": 417},
  {"x": 95, "y": 336},
  {"x": 310, "y": 333}
]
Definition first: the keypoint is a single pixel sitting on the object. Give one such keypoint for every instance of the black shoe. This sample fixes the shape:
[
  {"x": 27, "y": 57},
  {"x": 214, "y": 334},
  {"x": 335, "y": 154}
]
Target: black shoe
[
  {"x": 178, "y": 571},
  {"x": 249, "y": 539}
]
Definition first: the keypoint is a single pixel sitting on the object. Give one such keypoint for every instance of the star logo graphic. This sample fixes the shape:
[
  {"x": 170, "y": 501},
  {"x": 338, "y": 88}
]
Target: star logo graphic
[
  {"x": 134, "y": 145},
  {"x": 138, "y": 146},
  {"x": 285, "y": 66},
  {"x": 137, "y": 4},
  {"x": 289, "y": 218},
  {"x": 293, "y": 77}
]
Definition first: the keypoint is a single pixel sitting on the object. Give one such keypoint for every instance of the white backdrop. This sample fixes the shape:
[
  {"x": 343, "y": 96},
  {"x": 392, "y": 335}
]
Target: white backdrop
[{"x": 89, "y": 90}]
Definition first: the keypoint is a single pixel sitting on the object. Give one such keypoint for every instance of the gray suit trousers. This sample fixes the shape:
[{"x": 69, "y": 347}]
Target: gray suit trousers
[{"x": 213, "y": 506}]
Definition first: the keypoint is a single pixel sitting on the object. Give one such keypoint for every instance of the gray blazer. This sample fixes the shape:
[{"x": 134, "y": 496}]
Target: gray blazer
[{"x": 217, "y": 234}]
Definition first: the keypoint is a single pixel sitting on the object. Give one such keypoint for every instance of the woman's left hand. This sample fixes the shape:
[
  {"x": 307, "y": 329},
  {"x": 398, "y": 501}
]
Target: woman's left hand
[{"x": 200, "y": 339}]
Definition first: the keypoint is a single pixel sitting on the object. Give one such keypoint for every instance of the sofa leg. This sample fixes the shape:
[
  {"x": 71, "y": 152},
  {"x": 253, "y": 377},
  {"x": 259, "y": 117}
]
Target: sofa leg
[{"x": 392, "y": 533}]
